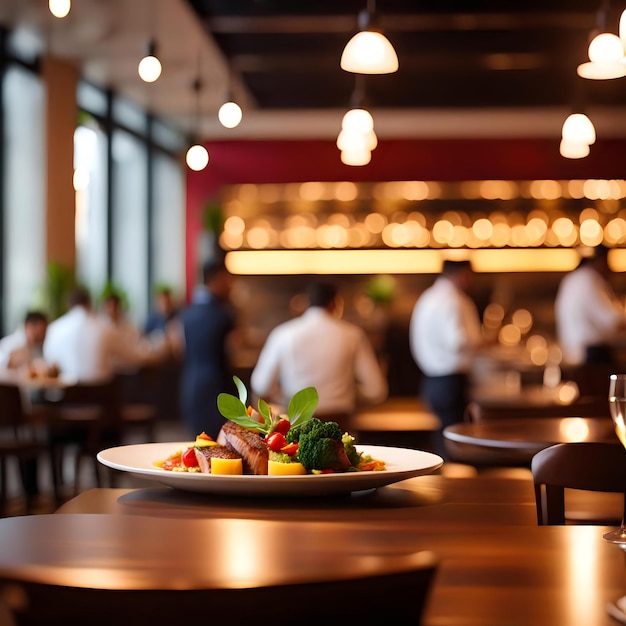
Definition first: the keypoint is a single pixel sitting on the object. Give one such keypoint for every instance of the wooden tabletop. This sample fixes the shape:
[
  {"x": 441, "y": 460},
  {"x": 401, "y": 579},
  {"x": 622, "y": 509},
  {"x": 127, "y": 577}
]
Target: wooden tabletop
[
  {"x": 516, "y": 441},
  {"x": 490, "y": 573}
]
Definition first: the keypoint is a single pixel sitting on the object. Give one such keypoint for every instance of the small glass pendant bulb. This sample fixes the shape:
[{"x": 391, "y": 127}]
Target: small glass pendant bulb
[
  {"x": 356, "y": 157},
  {"x": 578, "y": 128},
  {"x": 606, "y": 48},
  {"x": 60, "y": 8},
  {"x": 149, "y": 68},
  {"x": 358, "y": 120},
  {"x": 573, "y": 150},
  {"x": 197, "y": 158},
  {"x": 230, "y": 114}
]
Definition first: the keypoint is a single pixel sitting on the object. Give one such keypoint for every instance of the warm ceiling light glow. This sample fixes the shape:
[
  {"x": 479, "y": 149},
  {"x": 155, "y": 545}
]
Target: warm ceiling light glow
[
  {"x": 149, "y": 68},
  {"x": 60, "y": 8},
  {"x": 606, "y": 58},
  {"x": 573, "y": 149},
  {"x": 230, "y": 114},
  {"x": 358, "y": 121},
  {"x": 356, "y": 157},
  {"x": 197, "y": 158},
  {"x": 622, "y": 28},
  {"x": 578, "y": 128},
  {"x": 369, "y": 52},
  {"x": 353, "y": 140}
]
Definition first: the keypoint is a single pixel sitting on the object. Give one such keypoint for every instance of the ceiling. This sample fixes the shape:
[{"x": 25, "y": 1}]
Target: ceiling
[
  {"x": 453, "y": 54},
  {"x": 488, "y": 68}
]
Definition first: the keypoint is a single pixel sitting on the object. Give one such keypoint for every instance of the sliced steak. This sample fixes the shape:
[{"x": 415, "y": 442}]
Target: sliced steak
[
  {"x": 249, "y": 445},
  {"x": 206, "y": 453}
]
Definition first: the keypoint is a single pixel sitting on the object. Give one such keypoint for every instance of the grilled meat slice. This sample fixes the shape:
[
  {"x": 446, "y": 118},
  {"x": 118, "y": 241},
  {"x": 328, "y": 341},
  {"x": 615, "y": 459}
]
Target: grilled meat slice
[
  {"x": 248, "y": 444},
  {"x": 206, "y": 453}
]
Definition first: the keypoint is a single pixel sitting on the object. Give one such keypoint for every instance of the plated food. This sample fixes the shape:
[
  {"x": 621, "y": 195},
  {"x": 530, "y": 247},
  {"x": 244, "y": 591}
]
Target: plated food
[{"x": 264, "y": 443}]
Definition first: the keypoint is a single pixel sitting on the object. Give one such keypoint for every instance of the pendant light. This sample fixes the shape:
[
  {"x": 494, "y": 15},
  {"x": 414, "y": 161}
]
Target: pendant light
[
  {"x": 578, "y": 128},
  {"x": 357, "y": 138},
  {"x": 606, "y": 52},
  {"x": 369, "y": 51},
  {"x": 197, "y": 157},
  {"x": 60, "y": 8},
  {"x": 149, "y": 67}
]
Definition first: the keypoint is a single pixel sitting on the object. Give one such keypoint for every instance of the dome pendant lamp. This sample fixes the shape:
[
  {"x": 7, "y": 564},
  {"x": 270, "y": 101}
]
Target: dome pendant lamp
[
  {"x": 197, "y": 157},
  {"x": 369, "y": 51}
]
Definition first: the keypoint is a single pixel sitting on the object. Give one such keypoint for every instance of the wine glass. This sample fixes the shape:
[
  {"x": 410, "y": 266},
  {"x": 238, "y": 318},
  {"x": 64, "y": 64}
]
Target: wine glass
[{"x": 617, "y": 405}]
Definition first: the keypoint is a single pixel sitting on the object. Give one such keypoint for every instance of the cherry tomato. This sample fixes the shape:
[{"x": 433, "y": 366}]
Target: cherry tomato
[
  {"x": 275, "y": 441},
  {"x": 291, "y": 449},
  {"x": 282, "y": 426},
  {"x": 189, "y": 458}
]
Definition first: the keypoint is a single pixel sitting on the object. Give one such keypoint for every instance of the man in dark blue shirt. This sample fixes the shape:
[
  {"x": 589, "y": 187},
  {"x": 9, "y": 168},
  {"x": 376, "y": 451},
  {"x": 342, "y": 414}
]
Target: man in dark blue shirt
[{"x": 205, "y": 325}]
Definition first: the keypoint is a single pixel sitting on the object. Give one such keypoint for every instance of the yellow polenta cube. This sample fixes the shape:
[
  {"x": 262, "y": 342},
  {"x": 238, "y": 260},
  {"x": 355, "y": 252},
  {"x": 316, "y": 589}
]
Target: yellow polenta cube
[
  {"x": 226, "y": 466},
  {"x": 275, "y": 468}
]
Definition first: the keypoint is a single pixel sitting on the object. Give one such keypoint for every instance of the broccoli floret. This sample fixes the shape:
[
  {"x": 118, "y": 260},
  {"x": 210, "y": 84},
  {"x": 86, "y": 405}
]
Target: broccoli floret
[
  {"x": 354, "y": 456},
  {"x": 321, "y": 429},
  {"x": 317, "y": 452}
]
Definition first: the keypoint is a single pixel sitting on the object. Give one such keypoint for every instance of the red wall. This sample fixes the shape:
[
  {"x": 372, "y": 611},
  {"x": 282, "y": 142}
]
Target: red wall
[{"x": 234, "y": 162}]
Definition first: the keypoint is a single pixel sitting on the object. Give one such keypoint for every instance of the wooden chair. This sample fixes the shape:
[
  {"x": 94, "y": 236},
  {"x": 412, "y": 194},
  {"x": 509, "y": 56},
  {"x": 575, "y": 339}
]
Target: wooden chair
[
  {"x": 398, "y": 596},
  {"x": 585, "y": 466},
  {"x": 138, "y": 403},
  {"x": 87, "y": 417},
  {"x": 17, "y": 441}
]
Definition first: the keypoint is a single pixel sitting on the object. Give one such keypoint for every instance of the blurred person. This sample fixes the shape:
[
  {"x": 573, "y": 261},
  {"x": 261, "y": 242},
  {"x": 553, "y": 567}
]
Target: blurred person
[
  {"x": 202, "y": 332},
  {"x": 113, "y": 314},
  {"x": 88, "y": 349},
  {"x": 587, "y": 313},
  {"x": 444, "y": 335},
  {"x": 318, "y": 349},
  {"x": 163, "y": 312},
  {"x": 23, "y": 349}
]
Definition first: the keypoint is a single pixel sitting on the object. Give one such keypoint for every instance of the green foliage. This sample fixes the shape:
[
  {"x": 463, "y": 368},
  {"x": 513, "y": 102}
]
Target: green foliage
[
  {"x": 315, "y": 427},
  {"x": 60, "y": 281},
  {"x": 381, "y": 289},
  {"x": 213, "y": 217}
]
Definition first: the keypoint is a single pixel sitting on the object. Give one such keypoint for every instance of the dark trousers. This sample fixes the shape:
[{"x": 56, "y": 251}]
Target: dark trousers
[{"x": 447, "y": 397}]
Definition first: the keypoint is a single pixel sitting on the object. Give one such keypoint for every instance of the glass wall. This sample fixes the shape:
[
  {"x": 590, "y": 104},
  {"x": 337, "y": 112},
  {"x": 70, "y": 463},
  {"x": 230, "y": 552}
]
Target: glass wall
[
  {"x": 130, "y": 222},
  {"x": 24, "y": 222}
]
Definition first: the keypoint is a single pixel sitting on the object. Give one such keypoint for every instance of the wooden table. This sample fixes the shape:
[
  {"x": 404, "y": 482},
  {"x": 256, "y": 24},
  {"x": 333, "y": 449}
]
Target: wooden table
[
  {"x": 497, "y": 567},
  {"x": 514, "y": 442},
  {"x": 399, "y": 421}
]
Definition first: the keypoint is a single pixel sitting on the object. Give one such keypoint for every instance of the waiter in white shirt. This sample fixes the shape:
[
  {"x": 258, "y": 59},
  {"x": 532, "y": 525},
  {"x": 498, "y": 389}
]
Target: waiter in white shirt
[
  {"x": 444, "y": 334},
  {"x": 587, "y": 313},
  {"x": 320, "y": 350}
]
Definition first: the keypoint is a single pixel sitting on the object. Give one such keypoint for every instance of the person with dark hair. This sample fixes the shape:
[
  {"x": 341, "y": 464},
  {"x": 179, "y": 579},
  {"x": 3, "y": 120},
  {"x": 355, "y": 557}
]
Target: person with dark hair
[
  {"x": 23, "y": 349},
  {"x": 202, "y": 332},
  {"x": 318, "y": 349},
  {"x": 164, "y": 311},
  {"x": 587, "y": 313},
  {"x": 444, "y": 335}
]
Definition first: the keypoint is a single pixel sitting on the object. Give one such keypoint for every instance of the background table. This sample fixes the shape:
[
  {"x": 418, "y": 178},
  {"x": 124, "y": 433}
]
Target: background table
[{"x": 514, "y": 442}]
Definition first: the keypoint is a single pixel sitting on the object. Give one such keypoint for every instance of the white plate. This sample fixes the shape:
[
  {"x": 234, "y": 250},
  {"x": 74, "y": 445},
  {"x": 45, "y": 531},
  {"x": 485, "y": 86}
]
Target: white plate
[{"x": 401, "y": 463}]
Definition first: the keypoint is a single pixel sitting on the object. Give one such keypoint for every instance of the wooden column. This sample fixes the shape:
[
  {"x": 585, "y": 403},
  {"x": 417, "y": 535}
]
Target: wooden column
[{"x": 60, "y": 80}]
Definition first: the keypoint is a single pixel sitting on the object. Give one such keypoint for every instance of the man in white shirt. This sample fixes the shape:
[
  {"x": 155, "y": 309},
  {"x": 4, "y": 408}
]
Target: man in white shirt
[
  {"x": 587, "y": 314},
  {"x": 444, "y": 334},
  {"x": 86, "y": 348},
  {"x": 320, "y": 350}
]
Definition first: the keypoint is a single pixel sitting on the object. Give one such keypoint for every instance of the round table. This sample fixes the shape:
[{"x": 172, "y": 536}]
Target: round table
[{"x": 514, "y": 442}]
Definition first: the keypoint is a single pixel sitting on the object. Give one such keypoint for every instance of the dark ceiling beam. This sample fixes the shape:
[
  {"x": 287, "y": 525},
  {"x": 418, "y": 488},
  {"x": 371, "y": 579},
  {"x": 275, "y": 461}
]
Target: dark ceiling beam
[{"x": 295, "y": 24}]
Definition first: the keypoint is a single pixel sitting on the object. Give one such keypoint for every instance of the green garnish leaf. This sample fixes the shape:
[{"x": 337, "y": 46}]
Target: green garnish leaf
[
  {"x": 234, "y": 409},
  {"x": 241, "y": 389},
  {"x": 265, "y": 412},
  {"x": 302, "y": 405}
]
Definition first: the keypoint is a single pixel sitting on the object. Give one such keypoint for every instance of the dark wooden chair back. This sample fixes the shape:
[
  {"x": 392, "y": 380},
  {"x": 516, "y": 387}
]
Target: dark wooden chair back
[
  {"x": 586, "y": 466},
  {"x": 397, "y": 597},
  {"x": 11, "y": 407}
]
